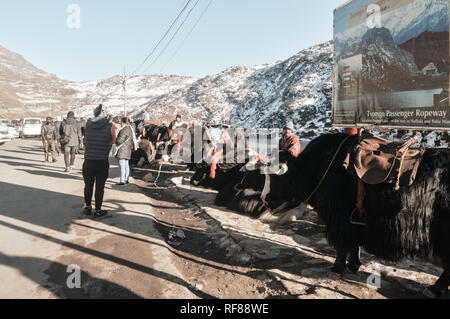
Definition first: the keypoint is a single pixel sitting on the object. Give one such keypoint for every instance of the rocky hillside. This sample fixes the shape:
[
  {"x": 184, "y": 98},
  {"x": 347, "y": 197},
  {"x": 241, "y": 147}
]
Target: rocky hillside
[
  {"x": 28, "y": 91},
  {"x": 262, "y": 96}
]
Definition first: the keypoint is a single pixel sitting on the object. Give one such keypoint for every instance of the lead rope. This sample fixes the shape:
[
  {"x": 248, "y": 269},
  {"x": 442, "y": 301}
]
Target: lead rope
[
  {"x": 326, "y": 172},
  {"x": 159, "y": 174}
]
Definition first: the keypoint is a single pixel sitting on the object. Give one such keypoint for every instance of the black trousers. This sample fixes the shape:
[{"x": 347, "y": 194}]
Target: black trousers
[{"x": 95, "y": 172}]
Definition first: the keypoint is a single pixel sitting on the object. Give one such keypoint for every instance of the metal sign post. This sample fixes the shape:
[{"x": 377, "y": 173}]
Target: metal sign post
[{"x": 124, "y": 92}]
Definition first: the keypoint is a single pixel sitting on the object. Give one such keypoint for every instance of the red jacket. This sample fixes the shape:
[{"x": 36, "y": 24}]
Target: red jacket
[{"x": 291, "y": 144}]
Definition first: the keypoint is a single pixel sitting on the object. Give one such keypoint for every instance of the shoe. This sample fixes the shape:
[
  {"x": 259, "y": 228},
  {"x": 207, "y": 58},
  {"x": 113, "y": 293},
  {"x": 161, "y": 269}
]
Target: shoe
[
  {"x": 87, "y": 211},
  {"x": 55, "y": 160},
  {"x": 99, "y": 214},
  {"x": 72, "y": 167},
  {"x": 67, "y": 170},
  {"x": 120, "y": 184},
  {"x": 127, "y": 183}
]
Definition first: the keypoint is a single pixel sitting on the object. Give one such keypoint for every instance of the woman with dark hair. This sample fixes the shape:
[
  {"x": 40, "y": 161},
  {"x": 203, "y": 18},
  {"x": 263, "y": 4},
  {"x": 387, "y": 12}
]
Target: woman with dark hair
[{"x": 126, "y": 144}]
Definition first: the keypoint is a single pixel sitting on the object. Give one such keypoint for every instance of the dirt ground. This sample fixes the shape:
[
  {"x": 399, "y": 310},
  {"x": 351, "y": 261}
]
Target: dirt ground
[{"x": 229, "y": 255}]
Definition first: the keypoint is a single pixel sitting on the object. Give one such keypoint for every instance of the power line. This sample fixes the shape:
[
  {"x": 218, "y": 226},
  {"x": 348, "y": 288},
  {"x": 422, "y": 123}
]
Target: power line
[
  {"x": 173, "y": 36},
  {"x": 190, "y": 33},
  {"x": 163, "y": 37}
]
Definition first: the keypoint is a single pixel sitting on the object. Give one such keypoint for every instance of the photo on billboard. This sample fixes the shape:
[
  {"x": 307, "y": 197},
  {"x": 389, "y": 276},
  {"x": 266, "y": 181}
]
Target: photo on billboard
[{"x": 392, "y": 64}]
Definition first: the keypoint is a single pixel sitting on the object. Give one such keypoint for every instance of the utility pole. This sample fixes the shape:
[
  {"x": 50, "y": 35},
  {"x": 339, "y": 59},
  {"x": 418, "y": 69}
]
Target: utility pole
[{"x": 124, "y": 92}]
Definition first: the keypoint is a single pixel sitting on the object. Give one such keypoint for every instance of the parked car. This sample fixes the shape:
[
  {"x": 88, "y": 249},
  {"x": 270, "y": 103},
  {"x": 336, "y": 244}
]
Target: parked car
[
  {"x": 18, "y": 126},
  {"x": 13, "y": 131},
  {"x": 4, "y": 135},
  {"x": 31, "y": 127},
  {"x": 4, "y": 122}
]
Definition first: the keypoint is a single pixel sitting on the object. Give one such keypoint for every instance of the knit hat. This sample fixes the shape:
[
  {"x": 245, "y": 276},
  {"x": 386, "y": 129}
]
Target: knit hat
[{"x": 290, "y": 125}]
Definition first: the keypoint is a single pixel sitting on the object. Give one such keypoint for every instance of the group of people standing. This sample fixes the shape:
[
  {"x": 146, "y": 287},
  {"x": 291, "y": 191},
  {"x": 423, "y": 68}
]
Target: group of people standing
[
  {"x": 100, "y": 135},
  {"x": 101, "y": 138},
  {"x": 66, "y": 135}
]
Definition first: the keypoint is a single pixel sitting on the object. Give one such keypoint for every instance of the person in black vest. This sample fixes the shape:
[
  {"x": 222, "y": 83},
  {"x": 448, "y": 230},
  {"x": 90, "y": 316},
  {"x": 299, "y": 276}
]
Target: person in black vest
[{"x": 100, "y": 135}]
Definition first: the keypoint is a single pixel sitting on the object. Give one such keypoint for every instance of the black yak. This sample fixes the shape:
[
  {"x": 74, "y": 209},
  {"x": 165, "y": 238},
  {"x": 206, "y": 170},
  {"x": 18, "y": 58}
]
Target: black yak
[
  {"x": 228, "y": 154},
  {"x": 224, "y": 171},
  {"x": 144, "y": 155},
  {"x": 268, "y": 197},
  {"x": 412, "y": 222},
  {"x": 159, "y": 136}
]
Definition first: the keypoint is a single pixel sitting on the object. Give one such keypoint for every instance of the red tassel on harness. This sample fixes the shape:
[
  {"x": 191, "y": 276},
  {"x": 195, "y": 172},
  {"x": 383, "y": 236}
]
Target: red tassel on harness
[{"x": 216, "y": 158}]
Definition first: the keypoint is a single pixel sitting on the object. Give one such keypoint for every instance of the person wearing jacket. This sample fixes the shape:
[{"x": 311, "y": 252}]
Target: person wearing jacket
[
  {"x": 100, "y": 135},
  {"x": 49, "y": 137},
  {"x": 126, "y": 143},
  {"x": 71, "y": 138},
  {"x": 58, "y": 135},
  {"x": 290, "y": 142},
  {"x": 176, "y": 123}
]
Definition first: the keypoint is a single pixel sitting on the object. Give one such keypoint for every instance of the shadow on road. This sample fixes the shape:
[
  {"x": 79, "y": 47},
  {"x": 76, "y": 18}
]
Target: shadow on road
[
  {"x": 91, "y": 287},
  {"x": 120, "y": 261}
]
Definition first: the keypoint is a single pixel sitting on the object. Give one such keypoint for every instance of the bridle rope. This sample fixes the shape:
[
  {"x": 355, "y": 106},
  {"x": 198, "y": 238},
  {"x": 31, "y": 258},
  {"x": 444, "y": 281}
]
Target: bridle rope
[{"x": 326, "y": 172}]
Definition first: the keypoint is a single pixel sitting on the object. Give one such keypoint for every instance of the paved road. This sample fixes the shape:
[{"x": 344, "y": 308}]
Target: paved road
[{"x": 42, "y": 233}]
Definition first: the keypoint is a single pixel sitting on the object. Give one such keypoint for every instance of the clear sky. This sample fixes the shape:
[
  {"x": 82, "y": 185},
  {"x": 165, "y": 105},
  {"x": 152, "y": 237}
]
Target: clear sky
[{"x": 114, "y": 33}]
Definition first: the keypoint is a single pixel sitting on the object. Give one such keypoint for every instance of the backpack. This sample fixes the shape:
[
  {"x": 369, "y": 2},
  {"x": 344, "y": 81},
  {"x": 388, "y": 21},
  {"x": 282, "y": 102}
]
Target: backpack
[{"x": 65, "y": 138}]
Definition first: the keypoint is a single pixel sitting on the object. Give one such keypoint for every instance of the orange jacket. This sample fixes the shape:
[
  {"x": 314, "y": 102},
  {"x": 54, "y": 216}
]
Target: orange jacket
[
  {"x": 351, "y": 131},
  {"x": 291, "y": 145}
]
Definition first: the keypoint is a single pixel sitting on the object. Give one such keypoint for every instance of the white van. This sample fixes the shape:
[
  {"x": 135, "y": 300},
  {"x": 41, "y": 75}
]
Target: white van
[
  {"x": 4, "y": 135},
  {"x": 31, "y": 127}
]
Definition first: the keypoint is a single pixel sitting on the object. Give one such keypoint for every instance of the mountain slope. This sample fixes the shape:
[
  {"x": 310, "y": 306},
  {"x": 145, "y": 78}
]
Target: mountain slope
[
  {"x": 262, "y": 96},
  {"x": 405, "y": 23},
  {"x": 28, "y": 91},
  {"x": 25, "y": 87}
]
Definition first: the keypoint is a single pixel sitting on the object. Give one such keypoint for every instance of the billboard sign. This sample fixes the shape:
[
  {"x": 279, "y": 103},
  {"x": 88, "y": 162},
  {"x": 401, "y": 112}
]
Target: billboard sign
[{"x": 392, "y": 64}]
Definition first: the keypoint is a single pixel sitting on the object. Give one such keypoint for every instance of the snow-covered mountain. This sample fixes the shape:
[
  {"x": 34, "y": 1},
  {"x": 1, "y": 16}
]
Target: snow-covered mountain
[
  {"x": 404, "y": 23},
  {"x": 418, "y": 17},
  {"x": 384, "y": 63},
  {"x": 28, "y": 91},
  {"x": 262, "y": 96},
  {"x": 110, "y": 93}
]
